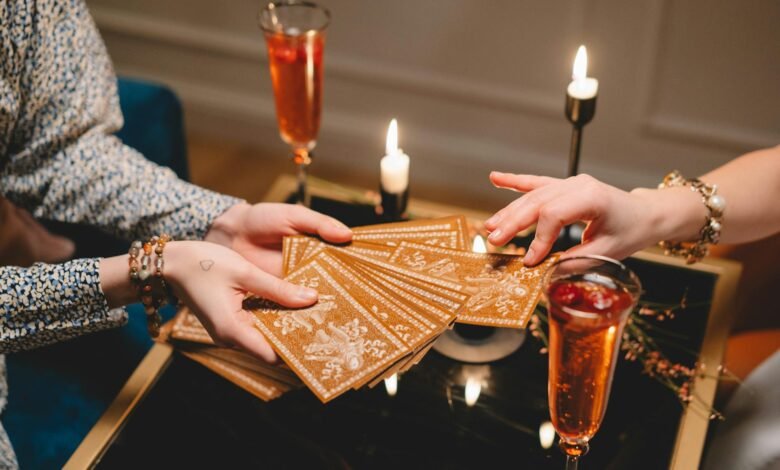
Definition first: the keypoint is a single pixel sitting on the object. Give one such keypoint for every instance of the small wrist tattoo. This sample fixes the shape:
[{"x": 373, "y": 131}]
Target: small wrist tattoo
[{"x": 206, "y": 264}]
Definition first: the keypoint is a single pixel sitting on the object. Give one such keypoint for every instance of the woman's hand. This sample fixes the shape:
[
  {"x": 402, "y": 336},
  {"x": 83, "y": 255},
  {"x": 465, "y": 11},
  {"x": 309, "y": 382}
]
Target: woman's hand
[
  {"x": 619, "y": 223},
  {"x": 256, "y": 231},
  {"x": 212, "y": 281}
]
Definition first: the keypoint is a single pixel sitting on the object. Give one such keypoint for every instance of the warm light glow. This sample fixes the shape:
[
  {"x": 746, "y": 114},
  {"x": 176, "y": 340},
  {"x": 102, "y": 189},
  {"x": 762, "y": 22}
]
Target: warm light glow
[
  {"x": 391, "y": 384},
  {"x": 479, "y": 245},
  {"x": 580, "y": 64},
  {"x": 611, "y": 333},
  {"x": 395, "y": 164},
  {"x": 473, "y": 389},
  {"x": 546, "y": 434},
  {"x": 391, "y": 144}
]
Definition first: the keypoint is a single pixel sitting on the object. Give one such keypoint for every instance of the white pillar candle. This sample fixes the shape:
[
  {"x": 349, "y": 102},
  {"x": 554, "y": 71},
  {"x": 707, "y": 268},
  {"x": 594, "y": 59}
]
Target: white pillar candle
[
  {"x": 582, "y": 87},
  {"x": 395, "y": 164}
]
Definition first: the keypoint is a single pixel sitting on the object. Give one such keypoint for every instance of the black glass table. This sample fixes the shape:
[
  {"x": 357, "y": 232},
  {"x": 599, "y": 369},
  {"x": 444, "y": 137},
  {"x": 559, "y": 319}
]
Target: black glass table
[{"x": 175, "y": 413}]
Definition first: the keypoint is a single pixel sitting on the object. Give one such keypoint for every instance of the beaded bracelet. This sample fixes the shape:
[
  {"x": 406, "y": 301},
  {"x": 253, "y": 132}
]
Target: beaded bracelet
[
  {"x": 710, "y": 232},
  {"x": 148, "y": 278}
]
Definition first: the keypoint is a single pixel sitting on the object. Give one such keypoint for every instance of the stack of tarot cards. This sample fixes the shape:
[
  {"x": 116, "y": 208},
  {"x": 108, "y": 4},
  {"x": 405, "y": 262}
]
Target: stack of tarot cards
[
  {"x": 385, "y": 298},
  {"x": 263, "y": 380}
]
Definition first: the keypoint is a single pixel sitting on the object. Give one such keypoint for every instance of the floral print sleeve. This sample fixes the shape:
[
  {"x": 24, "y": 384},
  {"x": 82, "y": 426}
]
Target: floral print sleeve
[
  {"x": 59, "y": 159},
  {"x": 47, "y": 303},
  {"x": 58, "y": 109}
]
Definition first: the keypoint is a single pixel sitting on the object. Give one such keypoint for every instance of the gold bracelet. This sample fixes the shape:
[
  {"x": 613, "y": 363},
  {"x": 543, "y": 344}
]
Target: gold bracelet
[
  {"x": 148, "y": 278},
  {"x": 710, "y": 232}
]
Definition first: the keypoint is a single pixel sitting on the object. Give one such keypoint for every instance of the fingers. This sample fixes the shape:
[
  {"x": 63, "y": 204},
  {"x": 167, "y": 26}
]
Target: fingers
[
  {"x": 261, "y": 283},
  {"x": 521, "y": 183},
  {"x": 245, "y": 336},
  {"x": 552, "y": 204},
  {"x": 305, "y": 220},
  {"x": 236, "y": 329},
  {"x": 551, "y": 221}
]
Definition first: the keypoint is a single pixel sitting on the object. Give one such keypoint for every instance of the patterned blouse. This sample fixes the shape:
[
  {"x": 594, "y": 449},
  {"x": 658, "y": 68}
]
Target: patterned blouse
[{"x": 59, "y": 160}]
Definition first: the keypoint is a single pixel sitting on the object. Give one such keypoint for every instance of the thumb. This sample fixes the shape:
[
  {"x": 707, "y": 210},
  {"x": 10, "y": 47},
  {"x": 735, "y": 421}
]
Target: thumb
[
  {"x": 262, "y": 284},
  {"x": 601, "y": 246}
]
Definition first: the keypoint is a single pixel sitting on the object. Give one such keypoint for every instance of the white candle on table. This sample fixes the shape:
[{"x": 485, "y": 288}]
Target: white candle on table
[
  {"x": 395, "y": 163},
  {"x": 582, "y": 87}
]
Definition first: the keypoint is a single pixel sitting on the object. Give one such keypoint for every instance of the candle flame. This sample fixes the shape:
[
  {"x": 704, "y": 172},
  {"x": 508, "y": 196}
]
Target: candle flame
[
  {"x": 546, "y": 434},
  {"x": 473, "y": 389},
  {"x": 479, "y": 245},
  {"x": 391, "y": 384},
  {"x": 580, "y": 71},
  {"x": 391, "y": 144}
]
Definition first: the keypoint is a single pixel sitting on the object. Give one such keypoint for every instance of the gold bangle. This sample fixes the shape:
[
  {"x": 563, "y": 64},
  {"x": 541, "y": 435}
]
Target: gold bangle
[
  {"x": 147, "y": 275},
  {"x": 713, "y": 222}
]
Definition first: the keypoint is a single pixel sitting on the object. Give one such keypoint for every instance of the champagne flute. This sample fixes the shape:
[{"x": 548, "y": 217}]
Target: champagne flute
[
  {"x": 589, "y": 299},
  {"x": 295, "y": 36}
]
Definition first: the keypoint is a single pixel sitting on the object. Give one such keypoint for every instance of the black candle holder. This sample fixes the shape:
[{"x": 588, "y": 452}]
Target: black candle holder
[
  {"x": 393, "y": 205},
  {"x": 579, "y": 112},
  {"x": 479, "y": 344}
]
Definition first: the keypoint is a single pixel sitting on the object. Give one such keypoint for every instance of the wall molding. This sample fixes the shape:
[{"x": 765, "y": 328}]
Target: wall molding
[
  {"x": 255, "y": 122},
  {"x": 679, "y": 128},
  {"x": 388, "y": 76}
]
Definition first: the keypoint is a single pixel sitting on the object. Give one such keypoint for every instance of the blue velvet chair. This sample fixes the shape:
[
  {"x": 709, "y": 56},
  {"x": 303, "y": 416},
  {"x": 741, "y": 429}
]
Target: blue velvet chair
[{"x": 57, "y": 393}]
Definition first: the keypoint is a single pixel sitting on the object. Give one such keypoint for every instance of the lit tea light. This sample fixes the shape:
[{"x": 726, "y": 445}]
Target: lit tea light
[
  {"x": 473, "y": 389},
  {"x": 391, "y": 385},
  {"x": 546, "y": 434},
  {"x": 582, "y": 87},
  {"x": 479, "y": 245},
  {"x": 395, "y": 164}
]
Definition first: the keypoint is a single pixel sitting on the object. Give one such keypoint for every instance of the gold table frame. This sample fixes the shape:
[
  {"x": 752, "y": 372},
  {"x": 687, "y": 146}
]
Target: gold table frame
[{"x": 691, "y": 433}]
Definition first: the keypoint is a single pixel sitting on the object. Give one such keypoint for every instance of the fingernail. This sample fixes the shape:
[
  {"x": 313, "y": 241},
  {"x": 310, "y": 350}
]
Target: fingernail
[
  {"x": 493, "y": 220},
  {"x": 339, "y": 225},
  {"x": 494, "y": 235},
  {"x": 529, "y": 256},
  {"x": 306, "y": 295}
]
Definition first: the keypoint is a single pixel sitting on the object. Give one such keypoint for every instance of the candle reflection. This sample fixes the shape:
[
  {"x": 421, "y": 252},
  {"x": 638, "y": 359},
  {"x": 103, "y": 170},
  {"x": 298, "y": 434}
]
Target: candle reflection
[
  {"x": 473, "y": 389},
  {"x": 474, "y": 378},
  {"x": 391, "y": 385},
  {"x": 546, "y": 434},
  {"x": 479, "y": 245}
]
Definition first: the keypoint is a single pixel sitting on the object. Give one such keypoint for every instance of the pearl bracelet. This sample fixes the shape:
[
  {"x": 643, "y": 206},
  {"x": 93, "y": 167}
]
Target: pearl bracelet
[
  {"x": 710, "y": 232},
  {"x": 148, "y": 278}
]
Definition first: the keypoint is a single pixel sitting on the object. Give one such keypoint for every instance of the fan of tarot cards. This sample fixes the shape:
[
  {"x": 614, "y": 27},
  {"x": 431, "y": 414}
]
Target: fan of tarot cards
[{"x": 384, "y": 299}]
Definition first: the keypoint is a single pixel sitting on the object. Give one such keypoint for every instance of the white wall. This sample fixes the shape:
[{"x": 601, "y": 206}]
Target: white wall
[{"x": 479, "y": 85}]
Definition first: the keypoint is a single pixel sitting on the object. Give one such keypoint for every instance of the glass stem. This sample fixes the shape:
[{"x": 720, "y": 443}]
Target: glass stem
[
  {"x": 572, "y": 462},
  {"x": 302, "y": 160}
]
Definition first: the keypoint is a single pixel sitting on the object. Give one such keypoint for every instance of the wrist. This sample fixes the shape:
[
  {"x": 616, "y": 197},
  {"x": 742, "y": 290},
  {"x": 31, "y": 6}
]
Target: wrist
[
  {"x": 225, "y": 227},
  {"x": 115, "y": 282},
  {"x": 178, "y": 260},
  {"x": 674, "y": 214}
]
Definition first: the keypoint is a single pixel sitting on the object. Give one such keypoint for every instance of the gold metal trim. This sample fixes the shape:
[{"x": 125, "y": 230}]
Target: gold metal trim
[
  {"x": 691, "y": 433},
  {"x": 102, "y": 434}
]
